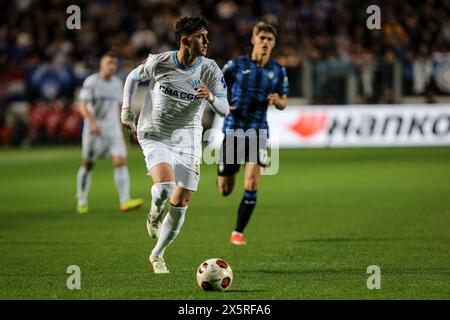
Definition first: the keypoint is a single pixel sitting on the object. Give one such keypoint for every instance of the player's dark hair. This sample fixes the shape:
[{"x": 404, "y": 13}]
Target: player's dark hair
[
  {"x": 264, "y": 26},
  {"x": 186, "y": 26},
  {"x": 111, "y": 54}
]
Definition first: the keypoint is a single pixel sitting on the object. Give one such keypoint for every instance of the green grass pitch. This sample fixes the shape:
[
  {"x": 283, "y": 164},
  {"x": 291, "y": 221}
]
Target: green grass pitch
[{"x": 319, "y": 223}]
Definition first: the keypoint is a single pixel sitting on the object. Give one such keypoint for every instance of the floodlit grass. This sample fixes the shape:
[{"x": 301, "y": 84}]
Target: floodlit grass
[{"x": 319, "y": 223}]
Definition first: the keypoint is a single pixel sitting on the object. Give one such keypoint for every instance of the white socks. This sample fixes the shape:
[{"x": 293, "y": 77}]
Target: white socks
[
  {"x": 170, "y": 228},
  {"x": 122, "y": 180},
  {"x": 160, "y": 193},
  {"x": 83, "y": 185}
]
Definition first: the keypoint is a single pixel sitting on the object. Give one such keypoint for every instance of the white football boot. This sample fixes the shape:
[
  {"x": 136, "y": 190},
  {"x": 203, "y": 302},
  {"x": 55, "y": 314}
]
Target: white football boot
[{"x": 158, "y": 264}]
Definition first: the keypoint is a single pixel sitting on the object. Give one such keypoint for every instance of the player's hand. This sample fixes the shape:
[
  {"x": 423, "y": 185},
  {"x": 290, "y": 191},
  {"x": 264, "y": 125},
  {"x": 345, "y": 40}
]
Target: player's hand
[
  {"x": 95, "y": 127},
  {"x": 274, "y": 99},
  {"x": 128, "y": 120},
  {"x": 203, "y": 92}
]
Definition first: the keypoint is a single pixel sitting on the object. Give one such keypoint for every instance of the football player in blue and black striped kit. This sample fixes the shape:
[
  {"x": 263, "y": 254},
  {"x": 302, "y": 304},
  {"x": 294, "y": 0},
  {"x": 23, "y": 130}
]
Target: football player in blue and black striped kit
[{"x": 255, "y": 82}]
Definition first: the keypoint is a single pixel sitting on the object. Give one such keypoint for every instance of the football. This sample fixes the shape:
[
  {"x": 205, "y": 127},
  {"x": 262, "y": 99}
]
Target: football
[{"x": 214, "y": 275}]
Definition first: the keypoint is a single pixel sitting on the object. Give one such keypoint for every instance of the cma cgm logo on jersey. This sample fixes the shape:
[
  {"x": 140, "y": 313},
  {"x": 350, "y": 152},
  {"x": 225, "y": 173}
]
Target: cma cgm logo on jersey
[
  {"x": 308, "y": 125},
  {"x": 176, "y": 93}
]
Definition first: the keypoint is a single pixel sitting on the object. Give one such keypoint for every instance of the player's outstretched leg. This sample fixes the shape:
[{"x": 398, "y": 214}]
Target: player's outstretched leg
[
  {"x": 83, "y": 185},
  {"x": 160, "y": 193},
  {"x": 169, "y": 230}
]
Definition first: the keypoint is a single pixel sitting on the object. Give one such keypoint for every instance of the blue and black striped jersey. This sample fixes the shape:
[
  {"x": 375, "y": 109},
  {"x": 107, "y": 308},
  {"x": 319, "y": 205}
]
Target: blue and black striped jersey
[{"x": 248, "y": 88}]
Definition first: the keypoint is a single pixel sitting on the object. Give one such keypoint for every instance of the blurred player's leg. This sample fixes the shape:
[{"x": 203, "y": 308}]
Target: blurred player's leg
[
  {"x": 171, "y": 227},
  {"x": 83, "y": 185},
  {"x": 228, "y": 167},
  {"x": 91, "y": 149},
  {"x": 226, "y": 184},
  {"x": 122, "y": 180},
  {"x": 248, "y": 202}
]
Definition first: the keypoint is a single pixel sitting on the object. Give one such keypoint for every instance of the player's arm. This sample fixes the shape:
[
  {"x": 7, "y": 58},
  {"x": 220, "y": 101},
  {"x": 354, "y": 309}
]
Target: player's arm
[
  {"x": 141, "y": 73},
  {"x": 86, "y": 96},
  {"x": 129, "y": 90},
  {"x": 279, "y": 97},
  {"x": 215, "y": 92},
  {"x": 280, "y": 102},
  {"x": 218, "y": 102}
]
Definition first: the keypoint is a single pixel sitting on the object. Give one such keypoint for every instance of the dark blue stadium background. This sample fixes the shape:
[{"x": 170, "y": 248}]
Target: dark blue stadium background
[{"x": 42, "y": 62}]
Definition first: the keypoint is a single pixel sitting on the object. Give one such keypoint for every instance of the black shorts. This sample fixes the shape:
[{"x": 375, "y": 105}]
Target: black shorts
[{"x": 240, "y": 150}]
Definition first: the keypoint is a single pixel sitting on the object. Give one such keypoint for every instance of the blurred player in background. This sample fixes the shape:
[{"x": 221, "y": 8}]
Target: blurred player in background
[
  {"x": 255, "y": 81},
  {"x": 170, "y": 130},
  {"x": 100, "y": 99}
]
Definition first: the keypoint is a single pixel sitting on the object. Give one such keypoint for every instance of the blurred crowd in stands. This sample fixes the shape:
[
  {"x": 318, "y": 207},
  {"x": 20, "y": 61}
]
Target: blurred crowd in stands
[{"x": 42, "y": 62}]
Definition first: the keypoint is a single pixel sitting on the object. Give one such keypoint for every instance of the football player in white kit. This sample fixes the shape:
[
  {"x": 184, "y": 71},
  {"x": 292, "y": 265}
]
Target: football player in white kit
[
  {"x": 100, "y": 99},
  {"x": 170, "y": 130}
]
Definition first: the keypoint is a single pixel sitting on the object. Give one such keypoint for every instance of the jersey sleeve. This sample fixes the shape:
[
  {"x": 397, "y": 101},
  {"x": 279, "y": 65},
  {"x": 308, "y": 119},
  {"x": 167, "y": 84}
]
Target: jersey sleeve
[
  {"x": 216, "y": 82},
  {"x": 145, "y": 71},
  {"x": 228, "y": 71},
  {"x": 217, "y": 86},
  {"x": 87, "y": 90},
  {"x": 283, "y": 83}
]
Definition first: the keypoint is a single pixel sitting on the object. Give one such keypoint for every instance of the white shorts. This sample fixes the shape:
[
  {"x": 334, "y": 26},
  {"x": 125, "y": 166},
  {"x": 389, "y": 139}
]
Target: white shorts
[
  {"x": 94, "y": 146},
  {"x": 185, "y": 166}
]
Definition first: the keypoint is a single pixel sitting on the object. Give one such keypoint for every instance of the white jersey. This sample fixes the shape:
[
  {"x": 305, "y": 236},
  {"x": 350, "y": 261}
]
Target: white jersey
[
  {"x": 104, "y": 96},
  {"x": 172, "y": 105}
]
